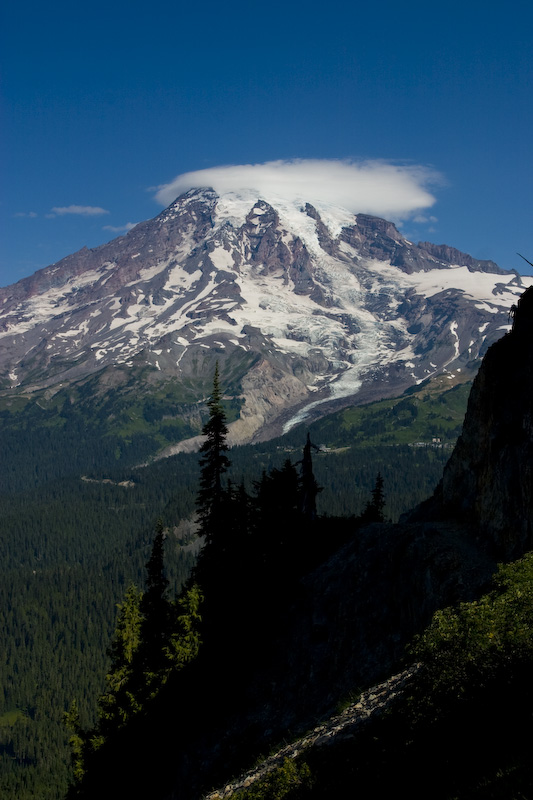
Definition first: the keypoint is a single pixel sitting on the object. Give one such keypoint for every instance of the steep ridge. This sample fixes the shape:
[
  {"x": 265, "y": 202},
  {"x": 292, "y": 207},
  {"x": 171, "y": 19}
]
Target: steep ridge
[
  {"x": 341, "y": 727},
  {"x": 488, "y": 481},
  {"x": 307, "y": 308},
  {"x": 489, "y": 478},
  {"x": 345, "y": 624}
]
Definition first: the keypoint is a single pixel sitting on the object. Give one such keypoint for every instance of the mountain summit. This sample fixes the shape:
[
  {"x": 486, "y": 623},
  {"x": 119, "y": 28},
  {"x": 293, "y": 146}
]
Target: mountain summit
[{"x": 306, "y": 307}]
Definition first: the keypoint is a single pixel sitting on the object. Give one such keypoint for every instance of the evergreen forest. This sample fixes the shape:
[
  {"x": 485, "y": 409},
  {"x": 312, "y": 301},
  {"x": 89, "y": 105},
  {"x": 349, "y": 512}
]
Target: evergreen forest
[{"x": 96, "y": 535}]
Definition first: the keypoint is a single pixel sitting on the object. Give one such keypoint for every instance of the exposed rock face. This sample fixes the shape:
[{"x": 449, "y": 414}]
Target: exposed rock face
[
  {"x": 449, "y": 255},
  {"x": 340, "y": 727},
  {"x": 489, "y": 478}
]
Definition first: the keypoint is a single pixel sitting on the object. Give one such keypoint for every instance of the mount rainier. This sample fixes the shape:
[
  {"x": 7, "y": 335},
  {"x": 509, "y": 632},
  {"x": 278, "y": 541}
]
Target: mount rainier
[{"x": 306, "y": 307}]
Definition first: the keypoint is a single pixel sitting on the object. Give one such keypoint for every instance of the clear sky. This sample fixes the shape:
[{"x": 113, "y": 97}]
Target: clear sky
[{"x": 104, "y": 103}]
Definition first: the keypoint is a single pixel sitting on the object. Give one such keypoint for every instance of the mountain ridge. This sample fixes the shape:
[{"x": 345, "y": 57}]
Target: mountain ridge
[{"x": 308, "y": 308}]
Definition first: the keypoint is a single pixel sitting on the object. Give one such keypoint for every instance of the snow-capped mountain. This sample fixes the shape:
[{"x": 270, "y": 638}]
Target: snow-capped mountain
[{"x": 306, "y": 307}]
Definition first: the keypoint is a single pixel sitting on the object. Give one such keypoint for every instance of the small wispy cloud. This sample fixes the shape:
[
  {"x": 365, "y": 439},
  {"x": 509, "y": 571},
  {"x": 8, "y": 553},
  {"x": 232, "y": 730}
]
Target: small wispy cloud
[
  {"x": 120, "y": 228},
  {"x": 382, "y": 188},
  {"x": 27, "y": 214},
  {"x": 422, "y": 219},
  {"x": 83, "y": 211}
]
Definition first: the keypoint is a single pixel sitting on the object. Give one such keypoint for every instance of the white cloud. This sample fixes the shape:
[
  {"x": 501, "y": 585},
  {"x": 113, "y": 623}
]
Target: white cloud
[
  {"x": 382, "y": 188},
  {"x": 423, "y": 219},
  {"x": 120, "y": 228},
  {"x": 84, "y": 211},
  {"x": 30, "y": 214}
]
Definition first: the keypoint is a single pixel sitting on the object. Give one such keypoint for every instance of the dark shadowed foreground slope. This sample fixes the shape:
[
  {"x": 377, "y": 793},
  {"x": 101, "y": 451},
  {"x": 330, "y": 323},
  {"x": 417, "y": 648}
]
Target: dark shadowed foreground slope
[{"x": 287, "y": 649}]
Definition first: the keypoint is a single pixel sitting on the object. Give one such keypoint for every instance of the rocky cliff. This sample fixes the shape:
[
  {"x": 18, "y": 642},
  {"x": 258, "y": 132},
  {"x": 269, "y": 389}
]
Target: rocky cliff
[{"x": 489, "y": 478}]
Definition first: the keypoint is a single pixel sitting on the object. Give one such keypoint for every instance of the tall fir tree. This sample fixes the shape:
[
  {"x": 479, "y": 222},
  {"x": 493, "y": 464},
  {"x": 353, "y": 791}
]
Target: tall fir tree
[
  {"x": 156, "y": 609},
  {"x": 277, "y": 519},
  {"x": 309, "y": 486},
  {"x": 374, "y": 508},
  {"x": 214, "y": 463},
  {"x": 117, "y": 704}
]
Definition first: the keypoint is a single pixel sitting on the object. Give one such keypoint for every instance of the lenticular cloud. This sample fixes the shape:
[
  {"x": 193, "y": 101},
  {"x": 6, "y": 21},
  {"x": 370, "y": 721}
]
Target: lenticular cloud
[{"x": 380, "y": 188}]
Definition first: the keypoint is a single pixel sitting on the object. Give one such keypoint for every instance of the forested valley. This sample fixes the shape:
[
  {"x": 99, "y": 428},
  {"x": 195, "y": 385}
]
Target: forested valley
[{"x": 78, "y": 523}]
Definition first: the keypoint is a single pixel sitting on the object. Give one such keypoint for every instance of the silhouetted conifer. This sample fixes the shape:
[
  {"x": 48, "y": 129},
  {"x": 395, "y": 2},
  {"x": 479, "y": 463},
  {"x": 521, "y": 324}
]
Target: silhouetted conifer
[
  {"x": 374, "y": 508},
  {"x": 277, "y": 498},
  {"x": 156, "y": 609},
  {"x": 277, "y": 519},
  {"x": 309, "y": 486},
  {"x": 237, "y": 519},
  {"x": 214, "y": 464}
]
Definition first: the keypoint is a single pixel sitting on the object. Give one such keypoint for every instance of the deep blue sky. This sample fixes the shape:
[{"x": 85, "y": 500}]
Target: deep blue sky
[{"x": 102, "y": 102}]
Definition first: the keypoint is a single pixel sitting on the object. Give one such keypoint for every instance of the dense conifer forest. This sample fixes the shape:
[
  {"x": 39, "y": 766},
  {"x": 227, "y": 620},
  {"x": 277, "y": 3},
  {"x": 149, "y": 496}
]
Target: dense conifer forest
[{"x": 78, "y": 523}]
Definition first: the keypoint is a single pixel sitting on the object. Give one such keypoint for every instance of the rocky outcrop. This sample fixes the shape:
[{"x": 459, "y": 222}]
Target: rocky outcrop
[
  {"x": 488, "y": 481},
  {"x": 449, "y": 255},
  {"x": 339, "y": 727}
]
